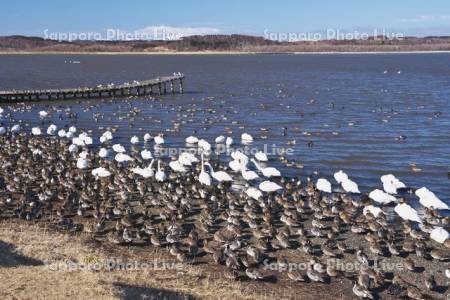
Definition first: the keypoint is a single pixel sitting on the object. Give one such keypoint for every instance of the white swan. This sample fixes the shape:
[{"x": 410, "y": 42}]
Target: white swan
[
  {"x": 261, "y": 156},
  {"x": 147, "y": 137},
  {"x": 73, "y": 148},
  {"x": 253, "y": 193},
  {"x": 62, "y": 133},
  {"x": 246, "y": 138},
  {"x": 103, "y": 152},
  {"x": 249, "y": 175},
  {"x": 350, "y": 186},
  {"x": 269, "y": 186},
  {"x": 323, "y": 185},
  {"x": 159, "y": 140},
  {"x": 118, "y": 148},
  {"x": 36, "y": 131},
  {"x": 82, "y": 163},
  {"x": 229, "y": 141},
  {"x": 101, "y": 172},
  {"x": 122, "y": 157},
  {"x": 340, "y": 176},
  {"x": 192, "y": 140},
  {"x": 204, "y": 145},
  {"x": 177, "y": 166},
  {"x": 439, "y": 234},
  {"x": 43, "y": 114},
  {"x": 51, "y": 130},
  {"x": 235, "y": 165},
  {"x": 16, "y": 128},
  {"x": 428, "y": 199},
  {"x": 187, "y": 159},
  {"x": 267, "y": 172},
  {"x": 219, "y": 175},
  {"x": 381, "y": 197},
  {"x": 406, "y": 212},
  {"x": 160, "y": 175},
  {"x": 204, "y": 177},
  {"x": 391, "y": 184},
  {"x": 146, "y": 154},
  {"x": 220, "y": 139},
  {"x": 145, "y": 172},
  {"x": 134, "y": 140}
]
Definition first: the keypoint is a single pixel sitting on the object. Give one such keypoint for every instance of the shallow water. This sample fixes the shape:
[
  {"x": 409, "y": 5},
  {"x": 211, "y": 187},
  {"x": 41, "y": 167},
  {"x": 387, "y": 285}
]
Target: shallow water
[{"x": 318, "y": 94}]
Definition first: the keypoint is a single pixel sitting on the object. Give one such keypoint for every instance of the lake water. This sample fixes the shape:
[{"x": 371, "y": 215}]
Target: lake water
[{"x": 347, "y": 107}]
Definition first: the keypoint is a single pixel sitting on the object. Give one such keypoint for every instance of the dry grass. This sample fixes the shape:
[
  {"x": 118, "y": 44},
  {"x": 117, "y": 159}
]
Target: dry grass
[{"x": 24, "y": 275}]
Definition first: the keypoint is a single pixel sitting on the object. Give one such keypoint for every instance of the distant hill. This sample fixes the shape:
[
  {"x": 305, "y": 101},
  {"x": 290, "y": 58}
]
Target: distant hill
[{"x": 225, "y": 43}]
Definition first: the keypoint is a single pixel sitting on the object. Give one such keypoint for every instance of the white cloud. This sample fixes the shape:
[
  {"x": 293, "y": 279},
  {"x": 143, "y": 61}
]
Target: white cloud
[
  {"x": 163, "y": 32},
  {"x": 424, "y": 19}
]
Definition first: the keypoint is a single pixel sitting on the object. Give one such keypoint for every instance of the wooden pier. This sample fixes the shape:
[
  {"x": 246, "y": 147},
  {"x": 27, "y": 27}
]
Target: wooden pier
[{"x": 159, "y": 86}]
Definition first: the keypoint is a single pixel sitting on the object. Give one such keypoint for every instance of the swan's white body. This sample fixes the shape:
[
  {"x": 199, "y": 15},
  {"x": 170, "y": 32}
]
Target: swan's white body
[
  {"x": 145, "y": 172},
  {"x": 159, "y": 140},
  {"x": 103, "y": 152},
  {"x": 177, "y": 166},
  {"x": 43, "y": 114},
  {"x": 269, "y": 186},
  {"x": 428, "y": 199},
  {"x": 406, "y": 212},
  {"x": 122, "y": 157},
  {"x": 36, "y": 131},
  {"x": 146, "y": 154},
  {"x": 147, "y": 137},
  {"x": 134, "y": 140},
  {"x": 51, "y": 130},
  {"x": 323, "y": 185},
  {"x": 220, "y": 176},
  {"x": 439, "y": 234},
  {"x": 350, "y": 186},
  {"x": 101, "y": 172},
  {"x": 246, "y": 138},
  {"x": 249, "y": 175},
  {"x": 118, "y": 148},
  {"x": 391, "y": 184},
  {"x": 261, "y": 156},
  {"x": 203, "y": 144},
  {"x": 340, "y": 176},
  {"x": 82, "y": 163},
  {"x": 254, "y": 193},
  {"x": 15, "y": 129},
  {"x": 220, "y": 139},
  {"x": 381, "y": 197},
  {"x": 192, "y": 140},
  {"x": 267, "y": 172}
]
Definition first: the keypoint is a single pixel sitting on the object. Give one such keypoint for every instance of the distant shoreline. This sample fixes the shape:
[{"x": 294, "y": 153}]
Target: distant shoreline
[{"x": 213, "y": 52}]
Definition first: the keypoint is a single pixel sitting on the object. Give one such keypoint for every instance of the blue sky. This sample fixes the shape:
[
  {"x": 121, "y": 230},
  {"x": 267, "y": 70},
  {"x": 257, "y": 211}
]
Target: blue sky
[{"x": 412, "y": 17}]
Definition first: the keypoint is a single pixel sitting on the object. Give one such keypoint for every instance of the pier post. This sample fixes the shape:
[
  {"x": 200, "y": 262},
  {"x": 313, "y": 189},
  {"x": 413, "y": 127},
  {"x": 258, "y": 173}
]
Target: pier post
[
  {"x": 171, "y": 87},
  {"x": 159, "y": 88},
  {"x": 151, "y": 89},
  {"x": 165, "y": 88}
]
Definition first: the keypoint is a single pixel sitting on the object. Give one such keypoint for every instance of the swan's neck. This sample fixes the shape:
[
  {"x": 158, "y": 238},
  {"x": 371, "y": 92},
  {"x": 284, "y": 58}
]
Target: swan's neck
[
  {"x": 159, "y": 166},
  {"x": 203, "y": 167},
  {"x": 256, "y": 164},
  {"x": 211, "y": 168},
  {"x": 151, "y": 164}
]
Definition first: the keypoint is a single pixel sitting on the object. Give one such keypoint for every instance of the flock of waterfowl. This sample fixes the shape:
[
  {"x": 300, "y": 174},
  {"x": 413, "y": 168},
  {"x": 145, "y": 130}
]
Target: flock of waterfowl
[{"x": 237, "y": 212}]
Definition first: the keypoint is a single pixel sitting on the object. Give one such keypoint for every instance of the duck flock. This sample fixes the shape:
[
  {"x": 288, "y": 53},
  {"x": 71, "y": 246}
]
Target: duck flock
[{"x": 239, "y": 212}]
